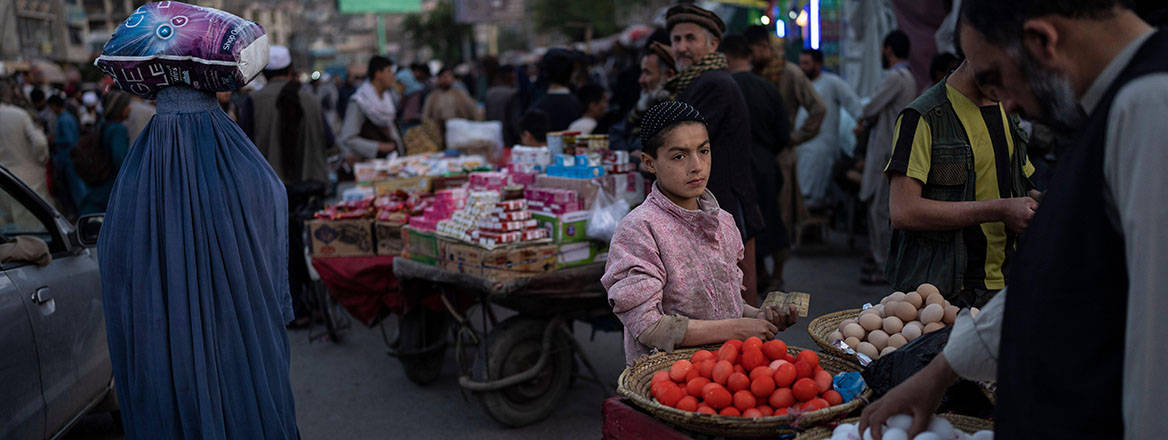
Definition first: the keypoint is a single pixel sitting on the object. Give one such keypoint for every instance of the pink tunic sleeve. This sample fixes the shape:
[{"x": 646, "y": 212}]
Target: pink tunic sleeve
[{"x": 634, "y": 276}]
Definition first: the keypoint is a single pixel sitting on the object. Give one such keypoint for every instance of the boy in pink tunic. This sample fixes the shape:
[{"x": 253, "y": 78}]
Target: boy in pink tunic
[{"x": 672, "y": 274}]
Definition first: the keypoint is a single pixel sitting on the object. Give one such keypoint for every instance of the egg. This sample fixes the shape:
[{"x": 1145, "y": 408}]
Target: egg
[
  {"x": 912, "y": 330},
  {"x": 941, "y": 427},
  {"x": 846, "y": 430},
  {"x": 835, "y": 336},
  {"x": 935, "y": 298},
  {"x": 896, "y": 296},
  {"x": 927, "y": 436},
  {"x": 899, "y": 421},
  {"x": 927, "y": 289},
  {"x": 896, "y": 341},
  {"x": 933, "y": 326},
  {"x": 871, "y": 311},
  {"x": 886, "y": 350},
  {"x": 845, "y": 323},
  {"x": 895, "y": 434},
  {"x": 878, "y": 338},
  {"x": 932, "y": 313},
  {"x": 868, "y": 349},
  {"x": 854, "y": 330},
  {"x": 983, "y": 435},
  {"x": 892, "y": 325},
  {"x": 973, "y": 311},
  {"x": 950, "y": 314},
  {"x": 906, "y": 312},
  {"x": 871, "y": 321},
  {"x": 880, "y": 310},
  {"x": 914, "y": 298},
  {"x": 852, "y": 341}
]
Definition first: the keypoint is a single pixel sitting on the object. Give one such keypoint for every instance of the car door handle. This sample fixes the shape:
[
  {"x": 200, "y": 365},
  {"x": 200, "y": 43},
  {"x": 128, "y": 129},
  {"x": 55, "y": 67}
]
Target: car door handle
[{"x": 42, "y": 296}]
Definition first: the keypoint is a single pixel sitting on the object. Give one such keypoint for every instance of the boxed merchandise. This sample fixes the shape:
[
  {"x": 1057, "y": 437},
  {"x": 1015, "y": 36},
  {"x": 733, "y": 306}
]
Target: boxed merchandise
[
  {"x": 475, "y": 260},
  {"x": 341, "y": 238},
  {"x": 580, "y": 254},
  {"x": 388, "y": 237},
  {"x": 420, "y": 246},
  {"x": 407, "y": 184},
  {"x": 506, "y": 226},
  {"x": 564, "y": 228},
  {"x": 511, "y": 216},
  {"x": 512, "y": 205}
]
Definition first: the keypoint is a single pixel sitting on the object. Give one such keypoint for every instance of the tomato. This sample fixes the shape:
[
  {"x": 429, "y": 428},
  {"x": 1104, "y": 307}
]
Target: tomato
[
  {"x": 736, "y": 343},
  {"x": 716, "y": 397},
  {"x": 823, "y": 380},
  {"x": 766, "y": 410},
  {"x": 814, "y": 405},
  {"x": 785, "y": 375},
  {"x": 787, "y": 357},
  {"x": 700, "y": 356},
  {"x": 743, "y": 400},
  {"x": 808, "y": 356},
  {"x": 752, "y": 413},
  {"x": 693, "y": 372},
  {"x": 803, "y": 369},
  {"x": 761, "y": 371},
  {"x": 781, "y": 398},
  {"x": 752, "y": 342},
  {"x": 706, "y": 368},
  {"x": 805, "y": 389},
  {"x": 660, "y": 376},
  {"x": 722, "y": 370},
  {"x": 656, "y": 388},
  {"x": 781, "y": 412},
  {"x": 753, "y": 358},
  {"x": 679, "y": 369},
  {"x": 833, "y": 397},
  {"x": 688, "y": 403},
  {"x": 737, "y": 382},
  {"x": 774, "y": 349},
  {"x": 695, "y": 385},
  {"x": 728, "y": 353},
  {"x": 739, "y": 369},
  {"x": 705, "y": 409},
  {"x": 763, "y": 386},
  {"x": 774, "y": 365},
  {"x": 730, "y": 411},
  {"x": 670, "y": 394}
]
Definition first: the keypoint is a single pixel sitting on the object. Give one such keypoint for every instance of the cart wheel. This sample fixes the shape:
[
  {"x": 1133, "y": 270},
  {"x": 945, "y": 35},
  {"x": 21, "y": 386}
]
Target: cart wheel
[
  {"x": 515, "y": 346},
  {"x": 422, "y": 344},
  {"x": 333, "y": 317}
]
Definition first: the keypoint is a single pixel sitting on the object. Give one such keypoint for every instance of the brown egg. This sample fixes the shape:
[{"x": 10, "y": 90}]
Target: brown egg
[
  {"x": 896, "y": 296},
  {"x": 871, "y": 321},
  {"x": 906, "y": 312},
  {"x": 852, "y": 341},
  {"x": 878, "y": 338},
  {"x": 933, "y": 326},
  {"x": 868, "y": 349},
  {"x": 950, "y": 315},
  {"x": 886, "y": 350},
  {"x": 896, "y": 341},
  {"x": 914, "y": 299},
  {"x": 892, "y": 325},
  {"x": 870, "y": 311},
  {"x": 835, "y": 336},
  {"x": 880, "y": 310},
  {"x": 932, "y": 313},
  {"x": 912, "y": 330},
  {"x": 845, "y": 323},
  {"x": 927, "y": 290},
  {"x": 854, "y": 330},
  {"x": 935, "y": 298}
]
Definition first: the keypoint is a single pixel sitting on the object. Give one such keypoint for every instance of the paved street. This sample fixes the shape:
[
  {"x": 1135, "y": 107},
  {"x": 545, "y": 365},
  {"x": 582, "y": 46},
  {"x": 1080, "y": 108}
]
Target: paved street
[{"x": 355, "y": 391}]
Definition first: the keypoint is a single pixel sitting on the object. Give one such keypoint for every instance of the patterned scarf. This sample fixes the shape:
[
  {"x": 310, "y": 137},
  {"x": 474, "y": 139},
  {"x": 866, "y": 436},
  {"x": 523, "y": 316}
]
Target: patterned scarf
[{"x": 678, "y": 84}]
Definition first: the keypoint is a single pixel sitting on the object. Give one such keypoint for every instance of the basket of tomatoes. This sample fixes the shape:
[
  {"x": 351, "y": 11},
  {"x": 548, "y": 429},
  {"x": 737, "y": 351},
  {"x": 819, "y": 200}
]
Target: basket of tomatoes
[{"x": 745, "y": 388}]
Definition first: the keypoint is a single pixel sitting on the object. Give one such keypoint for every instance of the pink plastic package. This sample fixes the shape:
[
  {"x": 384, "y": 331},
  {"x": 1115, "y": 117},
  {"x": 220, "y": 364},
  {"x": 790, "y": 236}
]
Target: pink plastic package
[{"x": 169, "y": 43}]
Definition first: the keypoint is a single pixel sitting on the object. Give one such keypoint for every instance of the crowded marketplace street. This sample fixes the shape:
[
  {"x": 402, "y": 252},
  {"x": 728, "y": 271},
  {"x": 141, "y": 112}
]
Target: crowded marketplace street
[{"x": 645, "y": 219}]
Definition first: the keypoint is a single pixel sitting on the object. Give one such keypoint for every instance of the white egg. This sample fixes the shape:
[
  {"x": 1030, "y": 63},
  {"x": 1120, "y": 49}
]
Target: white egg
[
  {"x": 868, "y": 434},
  {"x": 895, "y": 434},
  {"x": 983, "y": 435},
  {"x": 900, "y": 421},
  {"x": 927, "y": 436},
  {"x": 941, "y": 427},
  {"x": 846, "y": 431}
]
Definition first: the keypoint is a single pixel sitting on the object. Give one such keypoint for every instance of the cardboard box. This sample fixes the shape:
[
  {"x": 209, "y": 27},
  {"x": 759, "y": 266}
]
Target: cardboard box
[
  {"x": 585, "y": 188},
  {"x": 341, "y": 238},
  {"x": 581, "y": 254},
  {"x": 388, "y": 236},
  {"x": 420, "y": 246},
  {"x": 474, "y": 260},
  {"x": 564, "y": 228},
  {"x": 407, "y": 184}
]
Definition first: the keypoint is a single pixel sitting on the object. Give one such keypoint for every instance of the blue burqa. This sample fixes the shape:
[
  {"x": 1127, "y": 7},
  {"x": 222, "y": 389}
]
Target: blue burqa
[{"x": 194, "y": 276}]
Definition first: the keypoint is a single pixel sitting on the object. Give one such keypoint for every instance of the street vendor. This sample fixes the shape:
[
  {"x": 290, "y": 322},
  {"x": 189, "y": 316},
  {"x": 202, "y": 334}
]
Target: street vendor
[{"x": 672, "y": 274}]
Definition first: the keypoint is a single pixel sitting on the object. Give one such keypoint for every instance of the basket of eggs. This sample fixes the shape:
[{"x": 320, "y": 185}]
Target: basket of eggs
[
  {"x": 942, "y": 426},
  {"x": 741, "y": 389},
  {"x": 881, "y": 329}
]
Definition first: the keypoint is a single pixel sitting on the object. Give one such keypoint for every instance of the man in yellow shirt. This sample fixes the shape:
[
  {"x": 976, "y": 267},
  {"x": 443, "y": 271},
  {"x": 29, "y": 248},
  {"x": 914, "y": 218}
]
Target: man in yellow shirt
[{"x": 960, "y": 192}]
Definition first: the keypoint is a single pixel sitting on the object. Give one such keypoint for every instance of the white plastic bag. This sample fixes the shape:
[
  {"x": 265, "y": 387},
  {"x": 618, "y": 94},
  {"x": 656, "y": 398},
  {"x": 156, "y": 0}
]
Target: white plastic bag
[
  {"x": 607, "y": 212},
  {"x": 461, "y": 133}
]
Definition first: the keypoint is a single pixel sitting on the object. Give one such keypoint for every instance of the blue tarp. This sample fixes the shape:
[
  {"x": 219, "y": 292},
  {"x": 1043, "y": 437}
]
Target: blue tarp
[{"x": 194, "y": 272}]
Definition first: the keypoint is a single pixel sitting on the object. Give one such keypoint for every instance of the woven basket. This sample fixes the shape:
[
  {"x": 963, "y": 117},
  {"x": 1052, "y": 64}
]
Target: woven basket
[
  {"x": 965, "y": 423},
  {"x": 634, "y": 384},
  {"x": 820, "y": 329}
]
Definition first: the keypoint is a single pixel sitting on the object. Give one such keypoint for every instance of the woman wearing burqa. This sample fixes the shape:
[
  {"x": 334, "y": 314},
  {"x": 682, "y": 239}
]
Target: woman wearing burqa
[{"x": 193, "y": 255}]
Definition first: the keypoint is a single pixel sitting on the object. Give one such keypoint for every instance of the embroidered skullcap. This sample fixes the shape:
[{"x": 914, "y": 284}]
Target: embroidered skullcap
[
  {"x": 688, "y": 13},
  {"x": 664, "y": 115}
]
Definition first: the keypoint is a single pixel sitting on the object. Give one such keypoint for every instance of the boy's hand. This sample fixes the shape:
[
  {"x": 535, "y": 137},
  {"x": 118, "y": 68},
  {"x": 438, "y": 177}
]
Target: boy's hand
[
  {"x": 782, "y": 319},
  {"x": 743, "y": 328}
]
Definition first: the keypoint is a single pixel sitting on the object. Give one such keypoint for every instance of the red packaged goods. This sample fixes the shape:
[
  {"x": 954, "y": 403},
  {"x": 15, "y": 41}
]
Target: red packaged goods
[
  {"x": 355, "y": 204},
  {"x": 513, "y": 215},
  {"x": 535, "y": 234},
  {"x": 512, "y": 205},
  {"x": 350, "y": 215},
  {"x": 492, "y": 225},
  {"x": 498, "y": 237}
]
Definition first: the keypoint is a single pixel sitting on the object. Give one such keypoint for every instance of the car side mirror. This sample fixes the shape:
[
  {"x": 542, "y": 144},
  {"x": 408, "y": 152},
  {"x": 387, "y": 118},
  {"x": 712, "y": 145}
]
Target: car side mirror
[{"x": 88, "y": 228}]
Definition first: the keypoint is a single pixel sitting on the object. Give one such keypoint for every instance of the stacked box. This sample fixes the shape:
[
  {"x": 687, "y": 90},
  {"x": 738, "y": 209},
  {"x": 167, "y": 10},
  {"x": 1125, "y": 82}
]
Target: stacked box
[
  {"x": 564, "y": 228},
  {"x": 488, "y": 180},
  {"x": 580, "y": 254},
  {"x": 420, "y": 246},
  {"x": 479, "y": 205},
  {"x": 532, "y": 158},
  {"x": 341, "y": 238},
  {"x": 389, "y": 238}
]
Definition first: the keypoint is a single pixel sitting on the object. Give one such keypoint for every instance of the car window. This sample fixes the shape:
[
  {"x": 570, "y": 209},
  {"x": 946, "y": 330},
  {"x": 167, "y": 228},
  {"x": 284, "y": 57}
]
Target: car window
[{"x": 17, "y": 219}]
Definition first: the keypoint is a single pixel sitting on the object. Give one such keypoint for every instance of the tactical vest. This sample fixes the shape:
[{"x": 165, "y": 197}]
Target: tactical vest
[{"x": 939, "y": 257}]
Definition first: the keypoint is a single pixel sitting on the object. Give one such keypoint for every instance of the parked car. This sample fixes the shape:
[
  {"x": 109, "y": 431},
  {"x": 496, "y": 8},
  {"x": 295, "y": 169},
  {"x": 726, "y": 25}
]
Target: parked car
[{"x": 55, "y": 366}]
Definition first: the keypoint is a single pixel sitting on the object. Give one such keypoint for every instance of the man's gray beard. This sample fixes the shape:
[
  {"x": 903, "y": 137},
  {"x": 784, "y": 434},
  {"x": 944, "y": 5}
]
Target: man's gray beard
[
  {"x": 1059, "y": 108},
  {"x": 652, "y": 97}
]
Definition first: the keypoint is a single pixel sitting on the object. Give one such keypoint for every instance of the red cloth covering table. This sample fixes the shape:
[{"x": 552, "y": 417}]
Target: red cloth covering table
[{"x": 365, "y": 286}]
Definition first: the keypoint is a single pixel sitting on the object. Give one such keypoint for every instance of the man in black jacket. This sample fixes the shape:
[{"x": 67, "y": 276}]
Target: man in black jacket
[{"x": 705, "y": 84}]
